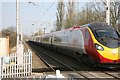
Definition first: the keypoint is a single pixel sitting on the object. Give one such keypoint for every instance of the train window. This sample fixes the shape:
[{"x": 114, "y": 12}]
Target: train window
[
  {"x": 46, "y": 39},
  {"x": 107, "y": 32},
  {"x": 60, "y": 39},
  {"x": 37, "y": 39},
  {"x": 57, "y": 39}
]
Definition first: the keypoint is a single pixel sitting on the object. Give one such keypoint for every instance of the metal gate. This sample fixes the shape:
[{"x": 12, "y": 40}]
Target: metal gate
[{"x": 10, "y": 68}]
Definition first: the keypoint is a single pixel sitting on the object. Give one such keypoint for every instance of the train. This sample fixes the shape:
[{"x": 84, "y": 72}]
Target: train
[{"x": 96, "y": 43}]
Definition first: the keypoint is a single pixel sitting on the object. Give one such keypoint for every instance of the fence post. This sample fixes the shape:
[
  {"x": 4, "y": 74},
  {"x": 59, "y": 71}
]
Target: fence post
[{"x": 30, "y": 54}]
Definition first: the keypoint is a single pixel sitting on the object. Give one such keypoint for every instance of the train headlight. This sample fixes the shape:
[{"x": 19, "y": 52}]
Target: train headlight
[{"x": 98, "y": 47}]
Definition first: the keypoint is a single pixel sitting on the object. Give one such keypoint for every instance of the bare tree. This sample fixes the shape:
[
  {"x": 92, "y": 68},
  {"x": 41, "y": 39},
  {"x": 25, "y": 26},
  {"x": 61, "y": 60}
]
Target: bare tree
[
  {"x": 39, "y": 32},
  {"x": 11, "y": 32},
  {"x": 71, "y": 13},
  {"x": 115, "y": 13},
  {"x": 60, "y": 15},
  {"x": 92, "y": 12}
]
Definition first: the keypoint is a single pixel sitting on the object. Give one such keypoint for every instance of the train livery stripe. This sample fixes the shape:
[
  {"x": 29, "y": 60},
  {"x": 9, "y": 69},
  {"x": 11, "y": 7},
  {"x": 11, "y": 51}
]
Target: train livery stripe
[{"x": 108, "y": 53}]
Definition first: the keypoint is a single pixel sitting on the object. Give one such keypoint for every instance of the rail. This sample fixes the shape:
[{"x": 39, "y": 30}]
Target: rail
[
  {"x": 47, "y": 64},
  {"x": 65, "y": 65}
]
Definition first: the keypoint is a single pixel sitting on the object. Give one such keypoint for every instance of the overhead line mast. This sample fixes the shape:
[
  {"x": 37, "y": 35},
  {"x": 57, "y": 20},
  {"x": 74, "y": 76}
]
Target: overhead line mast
[
  {"x": 108, "y": 12},
  {"x": 17, "y": 22}
]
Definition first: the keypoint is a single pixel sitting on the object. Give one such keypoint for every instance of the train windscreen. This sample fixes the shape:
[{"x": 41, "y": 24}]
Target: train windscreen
[{"x": 108, "y": 37}]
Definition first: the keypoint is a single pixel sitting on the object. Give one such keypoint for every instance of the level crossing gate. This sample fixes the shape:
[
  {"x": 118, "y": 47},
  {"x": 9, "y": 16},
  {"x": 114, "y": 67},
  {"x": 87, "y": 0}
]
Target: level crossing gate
[{"x": 10, "y": 68}]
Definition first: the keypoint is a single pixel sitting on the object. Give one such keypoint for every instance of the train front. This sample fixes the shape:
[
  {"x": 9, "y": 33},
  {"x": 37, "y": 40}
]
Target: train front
[{"x": 107, "y": 44}]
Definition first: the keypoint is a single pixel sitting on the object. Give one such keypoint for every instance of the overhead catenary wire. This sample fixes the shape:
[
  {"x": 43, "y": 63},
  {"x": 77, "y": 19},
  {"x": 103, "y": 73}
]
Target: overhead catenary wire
[
  {"x": 40, "y": 18},
  {"x": 40, "y": 10},
  {"x": 48, "y": 9},
  {"x": 45, "y": 12}
]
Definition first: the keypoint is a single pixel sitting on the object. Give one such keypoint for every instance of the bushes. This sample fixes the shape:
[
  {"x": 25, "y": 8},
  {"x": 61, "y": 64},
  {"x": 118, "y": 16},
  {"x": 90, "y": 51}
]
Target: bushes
[{"x": 11, "y": 32}]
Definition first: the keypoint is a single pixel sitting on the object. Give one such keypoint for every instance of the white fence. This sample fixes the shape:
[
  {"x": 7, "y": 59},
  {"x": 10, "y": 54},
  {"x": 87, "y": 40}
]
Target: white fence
[{"x": 10, "y": 68}]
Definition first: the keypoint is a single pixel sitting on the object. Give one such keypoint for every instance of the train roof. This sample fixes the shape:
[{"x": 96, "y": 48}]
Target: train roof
[
  {"x": 98, "y": 25},
  {"x": 72, "y": 28}
]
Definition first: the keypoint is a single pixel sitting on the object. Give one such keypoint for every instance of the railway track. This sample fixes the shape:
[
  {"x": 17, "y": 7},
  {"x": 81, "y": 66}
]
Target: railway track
[
  {"x": 46, "y": 63},
  {"x": 83, "y": 74}
]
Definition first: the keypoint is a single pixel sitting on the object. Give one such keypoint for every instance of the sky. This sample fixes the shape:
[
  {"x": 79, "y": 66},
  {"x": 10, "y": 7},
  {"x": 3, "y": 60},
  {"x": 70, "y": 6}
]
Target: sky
[
  {"x": 32, "y": 17},
  {"x": 29, "y": 15}
]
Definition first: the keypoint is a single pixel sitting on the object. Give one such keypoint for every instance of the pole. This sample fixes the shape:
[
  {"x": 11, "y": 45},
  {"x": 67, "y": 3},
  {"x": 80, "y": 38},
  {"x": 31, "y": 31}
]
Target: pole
[
  {"x": 108, "y": 12},
  {"x": 20, "y": 46},
  {"x": 1, "y": 3},
  {"x": 44, "y": 30},
  {"x": 17, "y": 23}
]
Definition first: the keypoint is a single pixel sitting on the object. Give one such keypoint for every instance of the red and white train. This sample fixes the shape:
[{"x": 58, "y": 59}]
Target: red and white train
[{"x": 96, "y": 42}]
